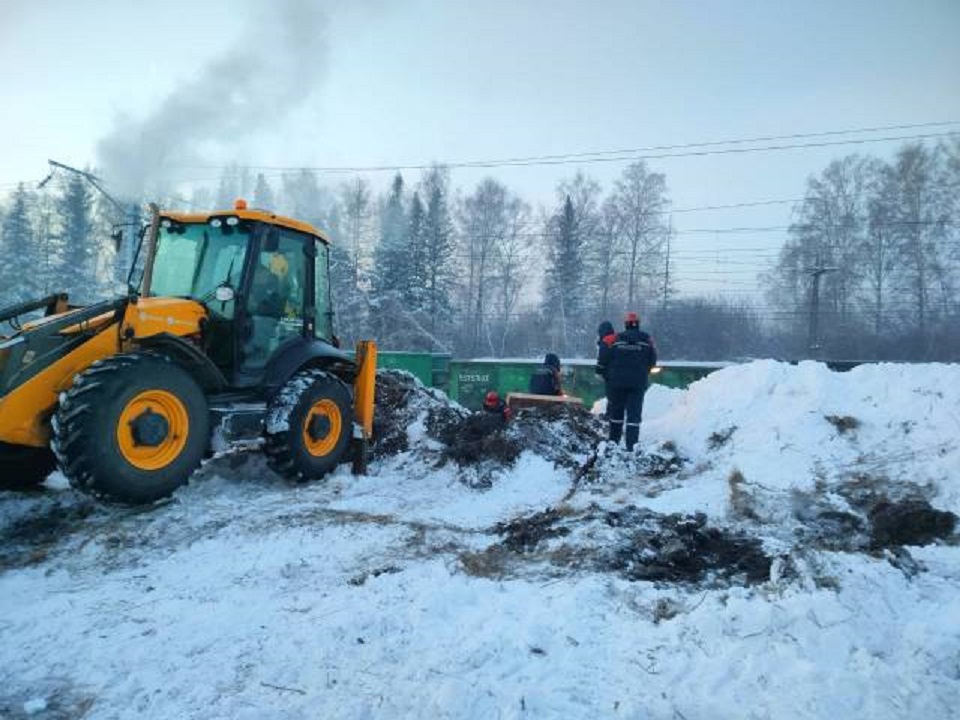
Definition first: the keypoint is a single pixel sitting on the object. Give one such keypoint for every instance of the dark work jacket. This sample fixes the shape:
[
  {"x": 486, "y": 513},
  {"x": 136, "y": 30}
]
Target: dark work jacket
[
  {"x": 545, "y": 381},
  {"x": 603, "y": 353},
  {"x": 500, "y": 408},
  {"x": 628, "y": 360}
]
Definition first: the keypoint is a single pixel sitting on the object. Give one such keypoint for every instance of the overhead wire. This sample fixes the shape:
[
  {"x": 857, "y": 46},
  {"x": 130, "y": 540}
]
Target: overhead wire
[{"x": 627, "y": 154}]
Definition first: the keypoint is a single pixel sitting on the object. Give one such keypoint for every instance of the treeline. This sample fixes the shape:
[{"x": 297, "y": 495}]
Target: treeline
[
  {"x": 881, "y": 240},
  {"x": 480, "y": 272}
]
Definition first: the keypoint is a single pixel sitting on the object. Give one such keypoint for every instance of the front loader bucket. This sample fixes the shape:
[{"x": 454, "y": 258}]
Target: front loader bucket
[{"x": 42, "y": 358}]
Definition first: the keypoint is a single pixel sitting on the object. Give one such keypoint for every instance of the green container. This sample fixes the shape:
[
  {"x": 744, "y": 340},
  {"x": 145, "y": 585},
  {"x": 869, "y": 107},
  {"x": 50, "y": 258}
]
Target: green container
[
  {"x": 441, "y": 371},
  {"x": 419, "y": 364},
  {"x": 470, "y": 380}
]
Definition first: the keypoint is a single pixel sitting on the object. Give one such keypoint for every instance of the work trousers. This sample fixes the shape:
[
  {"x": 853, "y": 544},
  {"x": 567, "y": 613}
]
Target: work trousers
[{"x": 627, "y": 401}]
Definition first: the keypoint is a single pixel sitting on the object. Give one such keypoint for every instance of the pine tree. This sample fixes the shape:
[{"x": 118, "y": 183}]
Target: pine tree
[
  {"x": 438, "y": 249},
  {"x": 563, "y": 293},
  {"x": 19, "y": 278},
  {"x": 304, "y": 199},
  {"x": 76, "y": 270},
  {"x": 391, "y": 254},
  {"x": 415, "y": 281}
]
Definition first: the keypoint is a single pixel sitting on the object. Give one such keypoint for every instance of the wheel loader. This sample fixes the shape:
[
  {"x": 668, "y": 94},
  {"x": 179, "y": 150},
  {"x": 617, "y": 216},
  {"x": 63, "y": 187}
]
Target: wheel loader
[{"x": 224, "y": 335}]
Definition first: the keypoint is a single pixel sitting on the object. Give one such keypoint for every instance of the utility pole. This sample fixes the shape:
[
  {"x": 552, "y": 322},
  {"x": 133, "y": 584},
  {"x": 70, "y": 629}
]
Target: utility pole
[
  {"x": 813, "y": 339},
  {"x": 666, "y": 273}
]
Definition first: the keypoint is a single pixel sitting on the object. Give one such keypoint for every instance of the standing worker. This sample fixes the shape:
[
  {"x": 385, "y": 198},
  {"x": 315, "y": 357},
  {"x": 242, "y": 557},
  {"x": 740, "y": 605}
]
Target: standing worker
[
  {"x": 626, "y": 367},
  {"x": 606, "y": 337}
]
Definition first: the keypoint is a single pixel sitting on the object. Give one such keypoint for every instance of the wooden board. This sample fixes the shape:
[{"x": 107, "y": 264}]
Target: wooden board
[{"x": 517, "y": 400}]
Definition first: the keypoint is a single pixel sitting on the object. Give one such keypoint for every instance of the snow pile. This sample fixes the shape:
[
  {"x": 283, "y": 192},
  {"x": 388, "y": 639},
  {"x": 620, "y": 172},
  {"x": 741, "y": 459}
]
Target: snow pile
[
  {"x": 786, "y": 425},
  {"x": 783, "y": 548}
]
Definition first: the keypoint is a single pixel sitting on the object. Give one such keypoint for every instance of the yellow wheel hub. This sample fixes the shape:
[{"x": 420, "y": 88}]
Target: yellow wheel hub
[
  {"x": 152, "y": 430},
  {"x": 322, "y": 428}
]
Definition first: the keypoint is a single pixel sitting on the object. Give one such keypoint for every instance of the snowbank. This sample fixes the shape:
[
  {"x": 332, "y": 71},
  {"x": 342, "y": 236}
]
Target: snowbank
[{"x": 245, "y": 597}]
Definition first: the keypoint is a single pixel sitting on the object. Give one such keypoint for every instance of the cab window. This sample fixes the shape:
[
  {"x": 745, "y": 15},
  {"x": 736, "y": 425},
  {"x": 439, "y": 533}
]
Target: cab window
[{"x": 276, "y": 298}]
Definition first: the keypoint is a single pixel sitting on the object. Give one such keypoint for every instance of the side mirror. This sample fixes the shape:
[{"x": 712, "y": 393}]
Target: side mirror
[{"x": 224, "y": 294}]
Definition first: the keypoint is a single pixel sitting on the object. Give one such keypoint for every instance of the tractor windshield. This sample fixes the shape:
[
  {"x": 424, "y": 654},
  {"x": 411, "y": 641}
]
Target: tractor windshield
[{"x": 194, "y": 259}]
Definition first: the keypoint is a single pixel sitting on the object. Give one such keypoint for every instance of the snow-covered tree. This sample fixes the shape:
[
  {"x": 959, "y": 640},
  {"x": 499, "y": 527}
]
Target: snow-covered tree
[
  {"x": 19, "y": 276},
  {"x": 77, "y": 261},
  {"x": 437, "y": 233}
]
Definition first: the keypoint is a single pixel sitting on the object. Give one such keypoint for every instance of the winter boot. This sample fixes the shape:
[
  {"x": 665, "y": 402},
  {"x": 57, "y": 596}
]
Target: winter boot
[{"x": 616, "y": 431}]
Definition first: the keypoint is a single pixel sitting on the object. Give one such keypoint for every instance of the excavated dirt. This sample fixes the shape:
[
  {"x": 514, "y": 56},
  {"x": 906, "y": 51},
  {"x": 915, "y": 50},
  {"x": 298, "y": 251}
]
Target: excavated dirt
[
  {"x": 401, "y": 402},
  {"x": 566, "y": 435},
  {"x": 28, "y": 539},
  {"x": 635, "y": 543},
  {"x": 478, "y": 438},
  {"x": 909, "y": 522},
  {"x": 683, "y": 548},
  {"x": 524, "y": 534}
]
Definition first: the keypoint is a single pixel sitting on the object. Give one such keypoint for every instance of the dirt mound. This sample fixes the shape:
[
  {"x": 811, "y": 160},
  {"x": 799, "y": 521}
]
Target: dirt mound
[
  {"x": 564, "y": 434},
  {"x": 909, "y": 522},
  {"x": 524, "y": 534},
  {"x": 402, "y": 406},
  {"x": 481, "y": 437},
  {"x": 683, "y": 548},
  {"x": 635, "y": 543}
]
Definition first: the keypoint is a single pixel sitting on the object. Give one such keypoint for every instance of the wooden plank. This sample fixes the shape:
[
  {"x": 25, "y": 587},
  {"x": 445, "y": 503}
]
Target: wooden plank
[{"x": 520, "y": 400}]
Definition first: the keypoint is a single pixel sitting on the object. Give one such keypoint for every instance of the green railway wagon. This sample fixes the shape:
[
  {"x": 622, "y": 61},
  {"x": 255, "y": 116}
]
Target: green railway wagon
[
  {"x": 431, "y": 369},
  {"x": 471, "y": 379}
]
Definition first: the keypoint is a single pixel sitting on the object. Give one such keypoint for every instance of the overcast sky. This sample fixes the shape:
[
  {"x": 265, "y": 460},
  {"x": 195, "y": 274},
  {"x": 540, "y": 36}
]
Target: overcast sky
[{"x": 418, "y": 81}]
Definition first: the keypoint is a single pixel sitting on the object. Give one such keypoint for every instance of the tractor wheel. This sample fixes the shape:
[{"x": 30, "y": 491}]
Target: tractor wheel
[
  {"x": 24, "y": 468},
  {"x": 309, "y": 425},
  {"x": 133, "y": 428}
]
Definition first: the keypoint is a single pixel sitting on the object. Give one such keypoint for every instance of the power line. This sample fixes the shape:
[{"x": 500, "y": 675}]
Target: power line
[{"x": 653, "y": 152}]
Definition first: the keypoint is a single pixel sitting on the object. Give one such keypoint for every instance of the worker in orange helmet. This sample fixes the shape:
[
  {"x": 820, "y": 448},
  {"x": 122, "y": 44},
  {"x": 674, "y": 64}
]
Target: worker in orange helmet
[
  {"x": 627, "y": 363},
  {"x": 493, "y": 404}
]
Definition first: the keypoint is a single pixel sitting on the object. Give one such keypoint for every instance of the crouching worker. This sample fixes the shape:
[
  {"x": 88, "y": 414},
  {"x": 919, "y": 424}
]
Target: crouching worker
[
  {"x": 546, "y": 378},
  {"x": 627, "y": 364},
  {"x": 494, "y": 405}
]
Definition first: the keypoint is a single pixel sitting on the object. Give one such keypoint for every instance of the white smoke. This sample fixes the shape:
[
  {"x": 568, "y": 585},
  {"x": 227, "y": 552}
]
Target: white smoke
[{"x": 268, "y": 72}]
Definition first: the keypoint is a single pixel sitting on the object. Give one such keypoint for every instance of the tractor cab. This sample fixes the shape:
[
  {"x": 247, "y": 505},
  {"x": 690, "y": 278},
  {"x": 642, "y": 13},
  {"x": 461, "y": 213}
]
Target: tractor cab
[{"x": 263, "y": 279}]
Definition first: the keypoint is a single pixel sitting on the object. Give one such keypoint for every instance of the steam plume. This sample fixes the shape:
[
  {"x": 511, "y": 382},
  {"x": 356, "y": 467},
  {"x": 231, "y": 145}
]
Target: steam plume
[{"x": 265, "y": 74}]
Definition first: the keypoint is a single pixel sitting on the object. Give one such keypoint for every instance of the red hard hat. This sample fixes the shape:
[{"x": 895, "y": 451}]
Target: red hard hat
[
  {"x": 631, "y": 318},
  {"x": 492, "y": 398}
]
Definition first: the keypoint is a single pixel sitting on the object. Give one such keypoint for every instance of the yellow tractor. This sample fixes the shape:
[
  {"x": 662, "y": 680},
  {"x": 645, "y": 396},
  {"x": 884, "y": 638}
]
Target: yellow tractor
[{"x": 225, "y": 336}]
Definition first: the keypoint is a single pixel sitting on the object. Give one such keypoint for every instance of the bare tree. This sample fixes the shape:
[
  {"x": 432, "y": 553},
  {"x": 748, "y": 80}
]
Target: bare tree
[
  {"x": 606, "y": 251},
  {"x": 355, "y": 199},
  {"x": 513, "y": 267},
  {"x": 489, "y": 230},
  {"x": 641, "y": 200}
]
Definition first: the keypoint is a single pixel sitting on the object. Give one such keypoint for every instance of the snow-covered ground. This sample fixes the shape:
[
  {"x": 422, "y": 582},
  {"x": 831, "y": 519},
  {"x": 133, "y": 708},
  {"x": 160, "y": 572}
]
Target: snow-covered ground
[{"x": 393, "y": 595}]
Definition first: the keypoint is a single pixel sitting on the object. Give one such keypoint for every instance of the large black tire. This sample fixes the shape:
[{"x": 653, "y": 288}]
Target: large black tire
[
  {"x": 24, "y": 468},
  {"x": 96, "y": 424},
  {"x": 309, "y": 425}
]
